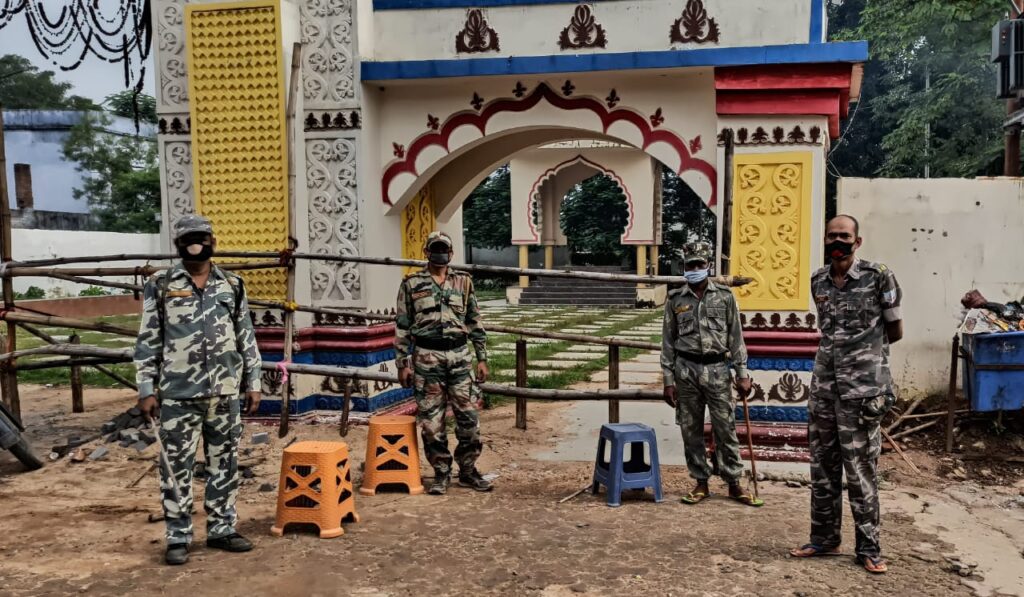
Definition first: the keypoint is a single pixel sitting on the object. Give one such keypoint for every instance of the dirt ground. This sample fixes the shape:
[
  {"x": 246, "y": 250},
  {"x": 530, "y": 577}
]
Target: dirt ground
[{"x": 77, "y": 528}]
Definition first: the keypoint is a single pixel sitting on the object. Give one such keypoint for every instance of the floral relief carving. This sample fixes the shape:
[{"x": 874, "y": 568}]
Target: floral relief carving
[
  {"x": 583, "y": 31},
  {"x": 328, "y": 72},
  {"x": 796, "y": 136},
  {"x": 476, "y": 36},
  {"x": 333, "y": 219},
  {"x": 170, "y": 41},
  {"x": 177, "y": 164},
  {"x": 694, "y": 26}
]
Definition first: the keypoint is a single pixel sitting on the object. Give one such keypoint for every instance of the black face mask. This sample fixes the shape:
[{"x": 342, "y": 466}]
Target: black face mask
[
  {"x": 439, "y": 258},
  {"x": 204, "y": 255},
  {"x": 838, "y": 249}
]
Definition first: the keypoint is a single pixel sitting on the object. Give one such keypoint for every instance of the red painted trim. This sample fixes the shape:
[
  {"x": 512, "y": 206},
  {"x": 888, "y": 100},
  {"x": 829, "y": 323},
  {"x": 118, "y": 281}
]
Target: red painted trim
[
  {"x": 776, "y": 337},
  {"x": 608, "y": 117},
  {"x": 769, "y": 434},
  {"x": 774, "y": 103},
  {"x": 782, "y": 350},
  {"x": 373, "y": 345},
  {"x": 785, "y": 77},
  {"x": 549, "y": 173}
]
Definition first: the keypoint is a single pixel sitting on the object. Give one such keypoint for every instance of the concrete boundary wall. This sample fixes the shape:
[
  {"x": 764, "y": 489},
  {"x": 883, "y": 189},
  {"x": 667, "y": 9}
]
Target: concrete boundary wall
[{"x": 941, "y": 237}]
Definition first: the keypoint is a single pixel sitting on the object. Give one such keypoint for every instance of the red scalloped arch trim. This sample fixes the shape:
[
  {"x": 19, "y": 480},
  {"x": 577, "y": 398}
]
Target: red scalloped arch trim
[
  {"x": 532, "y": 200},
  {"x": 440, "y": 137}
]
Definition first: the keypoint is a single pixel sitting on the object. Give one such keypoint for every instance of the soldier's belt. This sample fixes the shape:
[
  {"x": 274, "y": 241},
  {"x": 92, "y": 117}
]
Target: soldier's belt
[
  {"x": 440, "y": 343},
  {"x": 703, "y": 359}
]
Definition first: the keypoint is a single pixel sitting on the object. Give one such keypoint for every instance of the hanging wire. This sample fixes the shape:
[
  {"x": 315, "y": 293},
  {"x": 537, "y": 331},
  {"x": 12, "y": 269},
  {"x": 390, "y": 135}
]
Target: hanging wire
[{"x": 66, "y": 32}]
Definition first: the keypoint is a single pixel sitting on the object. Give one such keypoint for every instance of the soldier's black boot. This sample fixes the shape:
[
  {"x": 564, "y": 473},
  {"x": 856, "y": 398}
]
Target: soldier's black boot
[
  {"x": 234, "y": 543},
  {"x": 177, "y": 554},
  {"x": 440, "y": 484},
  {"x": 474, "y": 480}
]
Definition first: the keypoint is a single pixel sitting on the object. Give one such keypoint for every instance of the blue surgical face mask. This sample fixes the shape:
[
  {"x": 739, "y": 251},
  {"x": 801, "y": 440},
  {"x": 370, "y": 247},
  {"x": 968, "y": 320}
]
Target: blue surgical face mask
[{"x": 696, "y": 276}]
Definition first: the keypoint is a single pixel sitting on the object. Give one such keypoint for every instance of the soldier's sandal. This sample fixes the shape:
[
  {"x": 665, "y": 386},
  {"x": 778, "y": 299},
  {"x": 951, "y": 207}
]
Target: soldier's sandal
[
  {"x": 694, "y": 497},
  {"x": 873, "y": 564},
  {"x": 747, "y": 500},
  {"x": 814, "y": 551}
]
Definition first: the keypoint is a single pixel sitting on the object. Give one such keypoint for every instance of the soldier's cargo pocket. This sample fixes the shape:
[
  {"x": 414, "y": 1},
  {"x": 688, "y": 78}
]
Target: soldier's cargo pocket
[
  {"x": 716, "y": 319},
  {"x": 685, "y": 324}
]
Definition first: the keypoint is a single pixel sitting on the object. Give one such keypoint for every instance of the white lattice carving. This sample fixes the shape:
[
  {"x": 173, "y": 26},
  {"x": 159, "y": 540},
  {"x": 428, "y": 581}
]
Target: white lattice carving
[
  {"x": 333, "y": 218},
  {"x": 177, "y": 164},
  {"x": 328, "y": 69},
  {"x": 172, "y": 96}
]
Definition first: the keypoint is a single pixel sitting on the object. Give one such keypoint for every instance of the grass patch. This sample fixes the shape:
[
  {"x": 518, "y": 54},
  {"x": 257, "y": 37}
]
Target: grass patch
[
  {"x": 61, "y": 376},
  {"x": 563, "y": 378}
]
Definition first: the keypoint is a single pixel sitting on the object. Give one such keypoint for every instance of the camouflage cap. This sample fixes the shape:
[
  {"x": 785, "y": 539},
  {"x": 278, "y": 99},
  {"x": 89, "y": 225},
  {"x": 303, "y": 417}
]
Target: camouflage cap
[
  {"x": 192, "y": 223},
  {"x": 697, "y": 251},
  {"x": 438, "y": 237}
]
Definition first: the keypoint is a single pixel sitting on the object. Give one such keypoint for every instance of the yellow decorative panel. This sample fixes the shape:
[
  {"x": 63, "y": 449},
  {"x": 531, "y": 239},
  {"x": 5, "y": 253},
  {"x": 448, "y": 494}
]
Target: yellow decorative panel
[
  {"x": 771, "y": 229},
  {"x": 417, "y": 223},
  {"x": 239, "y": 151}
]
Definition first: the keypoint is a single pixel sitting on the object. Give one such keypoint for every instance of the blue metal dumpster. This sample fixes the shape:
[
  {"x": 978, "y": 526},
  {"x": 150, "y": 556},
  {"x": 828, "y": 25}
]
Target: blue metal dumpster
[{"x": 994, "y": 375}]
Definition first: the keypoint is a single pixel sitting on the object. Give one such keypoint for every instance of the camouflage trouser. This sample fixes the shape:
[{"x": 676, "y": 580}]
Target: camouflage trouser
[
  {"x": 838, "y": 442},
  {"x": 708, "y": 386},
  {"x": 443, "y": 379},
  {"x": 182, "y": 422}
]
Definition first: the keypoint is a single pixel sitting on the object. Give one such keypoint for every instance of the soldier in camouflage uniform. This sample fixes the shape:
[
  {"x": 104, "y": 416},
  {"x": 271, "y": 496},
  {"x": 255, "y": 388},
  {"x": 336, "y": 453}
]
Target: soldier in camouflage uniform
[
  {"x": 196, "y": 353},
  {"x": 858, "y": 305},
  {"x": 438, "y": 317},
  {"x": 702, "y": 337}
]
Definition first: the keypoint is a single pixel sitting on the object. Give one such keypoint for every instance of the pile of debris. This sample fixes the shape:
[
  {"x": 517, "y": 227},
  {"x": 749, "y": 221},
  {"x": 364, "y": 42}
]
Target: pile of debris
[{"x": 131, "y": 429}]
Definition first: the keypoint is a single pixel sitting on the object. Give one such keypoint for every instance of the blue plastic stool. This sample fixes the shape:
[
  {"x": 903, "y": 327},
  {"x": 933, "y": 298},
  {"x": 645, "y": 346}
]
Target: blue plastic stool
[{"x": 617, "y": 475}]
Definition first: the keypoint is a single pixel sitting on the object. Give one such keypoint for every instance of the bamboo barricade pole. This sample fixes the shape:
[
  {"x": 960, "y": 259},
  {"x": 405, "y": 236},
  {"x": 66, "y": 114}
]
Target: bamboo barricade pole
[
  {"x": 8, "y": 374},
  {"x": 77, "y": 399},
  {"x": 289, "y": 311},
  {"x": 142, "y": 270},
  {"x": 69, "y": 362},
  {"x": 85, "y": 351},
  {"x": 613, "y": 382},
  {"x": 66, "y": 322},
  {"x": 521, "y": 380}
]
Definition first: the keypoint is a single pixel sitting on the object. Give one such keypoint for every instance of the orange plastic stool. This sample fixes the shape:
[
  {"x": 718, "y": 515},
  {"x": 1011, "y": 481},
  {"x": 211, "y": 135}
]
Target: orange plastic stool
[
  {"x": 392, "y": 455},
  {"x": 316, "y": 488}
]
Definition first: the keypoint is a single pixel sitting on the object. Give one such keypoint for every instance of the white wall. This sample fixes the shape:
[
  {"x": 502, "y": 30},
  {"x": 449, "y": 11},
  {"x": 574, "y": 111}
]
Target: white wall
[
  {"x": 941, "y": 237},
  {"x": 46, "y": 244},
  {"x": 630, "y": 26}
]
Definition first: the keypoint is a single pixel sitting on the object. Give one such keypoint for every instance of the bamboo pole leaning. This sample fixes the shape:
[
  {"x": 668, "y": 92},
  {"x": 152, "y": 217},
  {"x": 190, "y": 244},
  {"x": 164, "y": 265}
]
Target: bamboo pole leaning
[
  {"x": 51, "y": 340},
  {"x": 66, "y": 322}
]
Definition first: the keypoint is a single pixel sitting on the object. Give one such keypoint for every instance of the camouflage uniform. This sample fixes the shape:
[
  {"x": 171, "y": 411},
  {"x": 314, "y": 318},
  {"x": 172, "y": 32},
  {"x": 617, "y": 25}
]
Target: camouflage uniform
[
  {"x": 197, "y": 352},
  {"x": 433, "y": 325},
  {"x": 699, "y": 340},
  {"x": 851, "y": 366}
]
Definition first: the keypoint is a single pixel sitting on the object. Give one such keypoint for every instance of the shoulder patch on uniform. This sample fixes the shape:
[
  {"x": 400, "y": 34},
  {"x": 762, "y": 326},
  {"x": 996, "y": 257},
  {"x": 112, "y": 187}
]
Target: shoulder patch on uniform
[
  {"x": 421, "y": 294},
  {"x": 821, "y": 298},
  {"x": 178, "y": 293},
  {"x": 682, "y": 309}
]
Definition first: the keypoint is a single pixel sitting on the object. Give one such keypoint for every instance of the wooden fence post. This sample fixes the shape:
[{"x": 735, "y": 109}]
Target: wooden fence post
[
  {"x": 520, "y": 383},
  {"x": 613, "y": 382},
  {"x": 8, "y": 373},
  {"x": 77, "y": 401}
]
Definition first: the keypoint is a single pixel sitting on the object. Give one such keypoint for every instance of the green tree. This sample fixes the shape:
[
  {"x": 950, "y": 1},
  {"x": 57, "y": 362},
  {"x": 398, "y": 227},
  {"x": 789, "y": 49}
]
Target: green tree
[
  {"x": 24, "y": 86},
  {"x": 122, "y": 182},
  {"x": 487, "y": 213},
  {"x": 594, "y": 216},
  {"x": 929, "y": 68},
  {"x": 685, "y": 218},
  {"x": 124, "y": 104}
]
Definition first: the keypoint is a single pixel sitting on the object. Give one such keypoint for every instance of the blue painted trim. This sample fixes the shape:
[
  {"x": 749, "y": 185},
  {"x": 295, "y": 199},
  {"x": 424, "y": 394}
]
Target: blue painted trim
[
  {"x": 328, "y": 402},
  {"x": 438, "y": 4},
  {"x": 817, "y": 21},
  {"x": 851, "y": 51},
  {"x": 779, "y": 364},
  {"x": 336, "y": 358},
  {"x": 775, "y": 414}
]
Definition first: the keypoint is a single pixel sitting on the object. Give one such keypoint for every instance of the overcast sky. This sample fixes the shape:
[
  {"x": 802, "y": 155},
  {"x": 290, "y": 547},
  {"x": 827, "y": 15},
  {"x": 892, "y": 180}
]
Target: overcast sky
[{"x": 94, "y": 78}]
